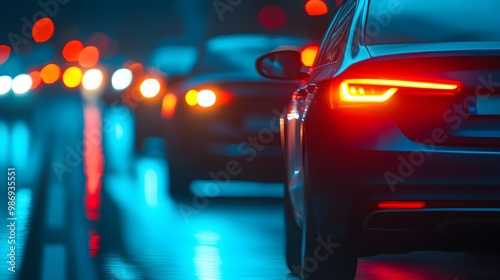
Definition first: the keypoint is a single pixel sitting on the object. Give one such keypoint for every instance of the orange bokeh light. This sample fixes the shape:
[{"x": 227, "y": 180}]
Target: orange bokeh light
[
  {"x": 72, "y": 50},
  {"x": 168, "y": 105},
  {"x": 88, "y": 57},
  {"x": 36, "y": 79},
  {"x": 4, "y": 53},
  {"x": 42, "y": 30},
  {"x": 316, "y": 8},
  {"x": 50, "y": 73},
  {"x": 308, "y": 55}
]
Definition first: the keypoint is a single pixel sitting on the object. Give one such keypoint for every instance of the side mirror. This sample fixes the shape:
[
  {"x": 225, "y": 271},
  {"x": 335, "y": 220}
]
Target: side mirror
[{"x": 281, "y": 65}]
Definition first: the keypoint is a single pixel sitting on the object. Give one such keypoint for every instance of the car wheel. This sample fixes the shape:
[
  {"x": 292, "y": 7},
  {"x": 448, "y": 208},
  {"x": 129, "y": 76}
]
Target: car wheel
[
  {"x": 293, "y": 237},
  {"x": 324, "y": 258}
]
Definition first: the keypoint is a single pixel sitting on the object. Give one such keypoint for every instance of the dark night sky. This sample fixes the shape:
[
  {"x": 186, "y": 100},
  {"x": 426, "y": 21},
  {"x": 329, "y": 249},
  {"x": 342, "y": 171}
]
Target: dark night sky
[{"x": 138, "y": 26}]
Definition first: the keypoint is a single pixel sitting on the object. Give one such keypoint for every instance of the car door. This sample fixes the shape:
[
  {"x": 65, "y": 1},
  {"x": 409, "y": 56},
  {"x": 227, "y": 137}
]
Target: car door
[{"x": 329, "y": 57}]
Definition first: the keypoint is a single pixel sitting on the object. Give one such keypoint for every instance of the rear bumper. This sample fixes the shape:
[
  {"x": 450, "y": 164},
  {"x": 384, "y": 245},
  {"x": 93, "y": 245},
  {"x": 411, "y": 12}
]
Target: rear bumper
[{"x": 351, "y": 168}]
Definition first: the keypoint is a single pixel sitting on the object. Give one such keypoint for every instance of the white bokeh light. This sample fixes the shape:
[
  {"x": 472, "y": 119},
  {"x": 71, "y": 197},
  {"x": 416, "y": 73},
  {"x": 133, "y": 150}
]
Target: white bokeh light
[
  {"x": 5, "y": 84},
  {"x": 121, "y": 79},
  {"x": 21, "y": 84},
  {"x": 92, "y": 79},
  {"x": 206, "y": 98},
  {"x": 150, "y": 88}
]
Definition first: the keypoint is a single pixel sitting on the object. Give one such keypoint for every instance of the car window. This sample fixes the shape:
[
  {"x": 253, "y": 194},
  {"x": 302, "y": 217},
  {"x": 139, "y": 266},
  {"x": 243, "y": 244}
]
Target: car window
[
  {"x": 409, "y": 21},
  {"x": 335, "y": 41}
]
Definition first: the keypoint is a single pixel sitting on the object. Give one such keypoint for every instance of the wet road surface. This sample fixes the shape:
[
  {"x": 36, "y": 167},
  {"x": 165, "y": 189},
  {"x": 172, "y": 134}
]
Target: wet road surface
[{"x": 89, "y": 207}]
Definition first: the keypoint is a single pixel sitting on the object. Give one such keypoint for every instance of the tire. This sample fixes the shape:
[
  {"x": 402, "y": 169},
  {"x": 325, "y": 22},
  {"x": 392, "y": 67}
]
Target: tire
[
  {"x": 293, "y": 237},
  {"x": 323, "y": 258}
]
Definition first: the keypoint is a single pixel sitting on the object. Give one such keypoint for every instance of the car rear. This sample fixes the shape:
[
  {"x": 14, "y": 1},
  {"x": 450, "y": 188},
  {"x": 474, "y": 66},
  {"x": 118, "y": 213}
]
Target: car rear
[
  {"x": 407, "y": 141},
  {"x": 242, "y": 125}
]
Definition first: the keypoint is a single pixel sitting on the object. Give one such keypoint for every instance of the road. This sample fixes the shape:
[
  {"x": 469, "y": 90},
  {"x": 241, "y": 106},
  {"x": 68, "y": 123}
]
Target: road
[{"x": 89, "y": 207}]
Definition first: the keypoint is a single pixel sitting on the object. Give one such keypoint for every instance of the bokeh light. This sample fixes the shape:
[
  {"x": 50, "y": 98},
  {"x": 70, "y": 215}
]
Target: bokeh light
[
  {"x": 272, "y": 17},
  {"x": 21, "y": 84},
  {"x": 191, "y": 97},
  {"x": 89, "y": 57},
  {"x": 5, "y": 84},
  {"x": 72, "y": 50},
  {"x": 100, "y": 40},
  {"x": 308, "y": 55},
  {"x": 36, "y": 80},
  {"x": 150, "y": 88},
  {"x": 50, "y": 73},
  {"x": 121, "y": 79},
  {"x": 92, "y": 79},
  {"x": 42, "y": 30},
  {"x": 316, "y": 7},
  {"x": 168, "y": 105},
  {"x": 72, "y": 77},
  {"x": 4, "y": 53},
  {"x": 206, "y": 98}
]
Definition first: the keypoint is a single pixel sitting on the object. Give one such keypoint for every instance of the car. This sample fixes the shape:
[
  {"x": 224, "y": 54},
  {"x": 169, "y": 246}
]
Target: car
[
  {"x": 170, "y": 63},
  {"x": 225, "y": 122},
  {"x": 392, "y": 142}
]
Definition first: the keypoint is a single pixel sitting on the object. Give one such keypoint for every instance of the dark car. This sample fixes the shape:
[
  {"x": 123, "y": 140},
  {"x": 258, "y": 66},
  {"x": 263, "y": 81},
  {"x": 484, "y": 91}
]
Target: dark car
[
  {"x": 225, "y": 124},
  {"x": 392, "y": 144}
]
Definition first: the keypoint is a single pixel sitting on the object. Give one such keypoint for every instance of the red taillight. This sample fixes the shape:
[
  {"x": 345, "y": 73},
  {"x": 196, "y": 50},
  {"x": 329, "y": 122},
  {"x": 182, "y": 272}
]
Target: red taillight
[
  {"x": 401, "y": 204},
  {"x": 381, "y": 90}
]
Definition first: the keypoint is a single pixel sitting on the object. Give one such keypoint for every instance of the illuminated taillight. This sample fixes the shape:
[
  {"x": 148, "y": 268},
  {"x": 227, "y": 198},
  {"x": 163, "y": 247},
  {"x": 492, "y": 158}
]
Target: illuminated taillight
[
  {"x": 191, "y": 97},
  {"x": 401, "y": 205},
  {"x": 203, "y": 98},
  {"x": 206, "y": 98},
  {"x": 381, "y": 90}
]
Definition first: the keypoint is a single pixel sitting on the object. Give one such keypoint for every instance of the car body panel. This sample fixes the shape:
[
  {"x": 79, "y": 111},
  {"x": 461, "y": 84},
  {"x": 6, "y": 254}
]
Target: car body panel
[{"x": 432, "y": 148}]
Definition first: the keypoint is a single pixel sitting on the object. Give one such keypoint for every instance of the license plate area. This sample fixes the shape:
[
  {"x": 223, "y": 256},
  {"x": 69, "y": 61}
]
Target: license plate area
[{"x": 484, "y": 106}]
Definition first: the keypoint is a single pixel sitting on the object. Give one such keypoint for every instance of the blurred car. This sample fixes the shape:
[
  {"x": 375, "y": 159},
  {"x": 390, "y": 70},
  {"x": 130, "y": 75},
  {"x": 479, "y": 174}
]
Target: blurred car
[
  {"x": 224, "y": 125},
  {"x": 392, "y": 143},
  {"x": 171, "y": 62}
]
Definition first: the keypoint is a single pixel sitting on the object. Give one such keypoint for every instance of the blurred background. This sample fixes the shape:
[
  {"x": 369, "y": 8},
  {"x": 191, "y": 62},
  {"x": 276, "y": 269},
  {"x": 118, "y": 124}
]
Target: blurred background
[{"x": 144, "y": 144}]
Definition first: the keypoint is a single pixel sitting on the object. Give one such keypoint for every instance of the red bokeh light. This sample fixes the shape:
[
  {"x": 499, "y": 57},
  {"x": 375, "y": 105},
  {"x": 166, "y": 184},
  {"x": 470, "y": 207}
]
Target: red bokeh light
[
  {"x": 42, "y": 30},
  {"x": 272, "y": 17},
  {"x": 72, "y": 50},
  {"x": 316, "y": 8},
  {"x": 36, "y": 79},
  {"x": 4, "y": 53},
  {"x": 88, "y": 57}
]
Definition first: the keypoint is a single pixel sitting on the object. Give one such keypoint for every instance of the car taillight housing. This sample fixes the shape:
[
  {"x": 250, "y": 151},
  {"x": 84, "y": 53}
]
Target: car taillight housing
[{"x": 381, "y": 90}]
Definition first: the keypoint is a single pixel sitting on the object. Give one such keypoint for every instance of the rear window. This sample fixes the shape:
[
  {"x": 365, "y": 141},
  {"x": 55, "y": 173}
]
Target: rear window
[{"x": 419, "y": 21}]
